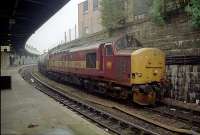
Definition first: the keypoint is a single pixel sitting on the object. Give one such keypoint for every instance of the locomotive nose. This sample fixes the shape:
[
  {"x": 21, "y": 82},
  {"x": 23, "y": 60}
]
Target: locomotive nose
[{"x": 147, "y": 65}]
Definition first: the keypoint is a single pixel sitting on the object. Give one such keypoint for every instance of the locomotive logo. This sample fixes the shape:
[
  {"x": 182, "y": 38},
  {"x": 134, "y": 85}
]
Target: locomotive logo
[{"x": 109, "y": 65}]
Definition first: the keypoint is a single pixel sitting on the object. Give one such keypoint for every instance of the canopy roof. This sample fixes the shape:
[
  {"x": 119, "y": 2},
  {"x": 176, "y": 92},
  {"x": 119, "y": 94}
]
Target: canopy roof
[{"x": 19, "y": 19}]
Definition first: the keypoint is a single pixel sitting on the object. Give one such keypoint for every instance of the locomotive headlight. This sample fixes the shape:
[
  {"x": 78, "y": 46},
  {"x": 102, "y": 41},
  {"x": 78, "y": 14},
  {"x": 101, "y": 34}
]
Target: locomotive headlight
[
  {"x": 139, "y": 74},
  {"x": 155, "y": 72}
]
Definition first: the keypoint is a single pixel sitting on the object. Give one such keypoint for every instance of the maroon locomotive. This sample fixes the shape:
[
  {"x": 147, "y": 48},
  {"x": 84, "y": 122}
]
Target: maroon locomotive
[{"x": 119, "y": 68}]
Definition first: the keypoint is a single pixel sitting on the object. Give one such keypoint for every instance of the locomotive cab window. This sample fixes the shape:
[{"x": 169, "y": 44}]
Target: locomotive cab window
[
  {"x": 91, "y": 60},
  {"x": 109, "y": 50}
]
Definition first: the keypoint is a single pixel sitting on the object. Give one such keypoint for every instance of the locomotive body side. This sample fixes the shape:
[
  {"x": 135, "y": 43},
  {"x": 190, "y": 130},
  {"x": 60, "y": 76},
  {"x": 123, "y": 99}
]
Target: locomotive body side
[
  {"x": 92, "y": 62},
  {"x": 82, "y": 61}
]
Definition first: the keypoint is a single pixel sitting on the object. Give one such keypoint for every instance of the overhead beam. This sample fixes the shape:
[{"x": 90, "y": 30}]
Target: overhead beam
[
  {"x": 36, "y": 2},
  {"x": 20, "y": 18},
  {"x": 15, "y": 7}
]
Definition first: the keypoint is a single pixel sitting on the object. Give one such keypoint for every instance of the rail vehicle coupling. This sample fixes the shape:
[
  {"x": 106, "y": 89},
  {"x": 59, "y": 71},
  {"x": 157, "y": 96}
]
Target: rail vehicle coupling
[{"x": 144, "y": 95}]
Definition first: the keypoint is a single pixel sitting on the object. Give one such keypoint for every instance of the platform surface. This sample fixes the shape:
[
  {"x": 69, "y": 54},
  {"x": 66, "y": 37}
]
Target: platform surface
[{"x": 27, "y": 111}]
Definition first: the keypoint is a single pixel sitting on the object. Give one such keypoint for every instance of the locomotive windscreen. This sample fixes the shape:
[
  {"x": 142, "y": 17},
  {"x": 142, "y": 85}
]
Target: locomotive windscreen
[{"x": 91, "y": 60}]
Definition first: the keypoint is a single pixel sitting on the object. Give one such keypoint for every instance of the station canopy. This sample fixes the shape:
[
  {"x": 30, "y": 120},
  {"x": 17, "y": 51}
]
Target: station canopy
[{"x": 19, "y": 19}]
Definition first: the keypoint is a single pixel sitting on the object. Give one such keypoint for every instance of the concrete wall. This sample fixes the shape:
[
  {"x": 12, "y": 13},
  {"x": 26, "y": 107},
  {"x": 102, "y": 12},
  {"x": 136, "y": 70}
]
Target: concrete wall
[
  {"x": 9, "y": 59},
  {"x": 5, "y": 60},
  {"x": 24, "y": 60}
]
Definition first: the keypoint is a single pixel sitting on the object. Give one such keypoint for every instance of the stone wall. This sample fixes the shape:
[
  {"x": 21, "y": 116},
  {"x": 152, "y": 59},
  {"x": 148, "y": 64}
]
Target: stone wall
[
  {"x": 175, "y": 35},
  {"x": 185, "y": 80}
]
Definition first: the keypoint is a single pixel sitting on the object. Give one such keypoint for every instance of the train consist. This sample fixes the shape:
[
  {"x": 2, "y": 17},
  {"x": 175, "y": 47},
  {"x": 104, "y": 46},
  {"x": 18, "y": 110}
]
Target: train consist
[{"x": 119, "y": 68}]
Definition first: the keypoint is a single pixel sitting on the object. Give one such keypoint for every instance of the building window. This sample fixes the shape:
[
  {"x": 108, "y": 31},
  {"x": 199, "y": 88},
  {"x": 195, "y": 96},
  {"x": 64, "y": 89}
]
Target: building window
[
  {"x": 109, "y": 50},
  {"x": 95, "y": 4},
  {"x": 85, "y": 7},
  {"x": 91, "y": 60},
  {"x": 86, "y": 30}
]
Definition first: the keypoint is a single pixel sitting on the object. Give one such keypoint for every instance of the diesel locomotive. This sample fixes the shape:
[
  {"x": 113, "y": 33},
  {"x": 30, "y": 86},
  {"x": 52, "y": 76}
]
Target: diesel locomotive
[{"x": 119, "y": 67}]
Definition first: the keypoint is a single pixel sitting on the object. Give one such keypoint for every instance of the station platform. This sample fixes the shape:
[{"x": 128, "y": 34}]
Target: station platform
[{"x": 27, "y": 111}]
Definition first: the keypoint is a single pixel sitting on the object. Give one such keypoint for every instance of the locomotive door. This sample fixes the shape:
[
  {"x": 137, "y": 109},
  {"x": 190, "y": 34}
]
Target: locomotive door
[
  {"x": 101, "y": 59},
  {"x": 108, "y": 60}
]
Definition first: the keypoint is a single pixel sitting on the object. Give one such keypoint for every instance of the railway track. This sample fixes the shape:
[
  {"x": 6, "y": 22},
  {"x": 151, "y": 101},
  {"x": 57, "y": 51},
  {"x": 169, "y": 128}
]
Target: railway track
[
  {"x": 180, "y": 114},
  {"x": 113, "y": 123}
]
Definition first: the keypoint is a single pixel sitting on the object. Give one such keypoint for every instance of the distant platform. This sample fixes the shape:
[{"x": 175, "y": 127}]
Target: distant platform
[{"x": 25, "y": 110}]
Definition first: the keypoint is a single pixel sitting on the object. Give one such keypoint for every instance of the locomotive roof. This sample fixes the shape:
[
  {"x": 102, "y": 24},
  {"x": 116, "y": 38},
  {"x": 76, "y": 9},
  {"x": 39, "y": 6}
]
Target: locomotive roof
[
  {"x": 80, "y": 48},
  {"x": 86, "y": 47}
]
